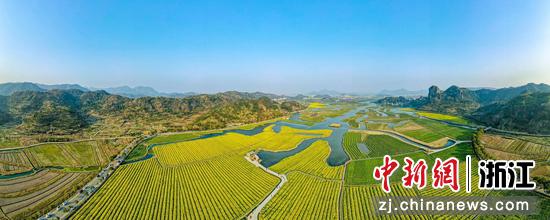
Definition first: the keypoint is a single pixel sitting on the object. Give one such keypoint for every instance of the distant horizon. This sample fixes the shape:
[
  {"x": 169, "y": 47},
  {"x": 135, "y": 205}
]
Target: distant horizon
[
  {"x": 288, "y": 94},
  {"x": 281, "y": 47}
]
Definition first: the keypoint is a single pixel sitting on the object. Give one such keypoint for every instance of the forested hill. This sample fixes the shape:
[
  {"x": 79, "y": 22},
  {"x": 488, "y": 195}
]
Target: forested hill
[
  {"x": 527, "y": 113},
  {"x": 456, "y": 100},
  {"x": 69, "y": 111},
  {"x": 522, "y": 108}
]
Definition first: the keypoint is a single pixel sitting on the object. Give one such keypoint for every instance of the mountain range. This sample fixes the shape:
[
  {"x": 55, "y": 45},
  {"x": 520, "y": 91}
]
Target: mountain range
[
  {"x": 71, "y": 111},
  {"x": 523, "y": 108},
  {"x": 130, "y": 92},
  {"x": 402, "y": 92}
]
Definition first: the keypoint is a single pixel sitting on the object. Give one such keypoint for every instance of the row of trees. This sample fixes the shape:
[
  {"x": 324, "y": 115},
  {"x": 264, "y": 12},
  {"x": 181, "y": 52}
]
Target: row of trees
[{"x": 478, "y": 146}]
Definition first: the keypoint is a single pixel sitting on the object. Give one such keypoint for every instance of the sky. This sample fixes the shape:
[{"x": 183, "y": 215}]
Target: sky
[{"x": 284, "y": 47}]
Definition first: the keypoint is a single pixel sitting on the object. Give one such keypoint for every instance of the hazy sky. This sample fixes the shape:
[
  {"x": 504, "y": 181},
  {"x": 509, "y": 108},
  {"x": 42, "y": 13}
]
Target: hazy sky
[{"x": 275, "y": 46}]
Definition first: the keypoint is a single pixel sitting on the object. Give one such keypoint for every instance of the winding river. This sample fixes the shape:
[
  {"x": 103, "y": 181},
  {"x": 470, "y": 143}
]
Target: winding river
[{"x": 337, "y": 155}]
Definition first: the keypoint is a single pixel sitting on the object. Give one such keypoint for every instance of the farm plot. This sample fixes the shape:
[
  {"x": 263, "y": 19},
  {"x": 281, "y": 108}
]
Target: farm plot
[
  {"x": 287, "y": 139},
  {"x": 55, "y": 155},
  {"x": 316, "y": 105},
  {"x": 508, "y": 148},
  {"x": 221, "y": 188},
  {"x": 76, "y": 154},
  {"x": 380, "y": 145},
  {"x": 14, "y": 162},
  {"x": 444, "y": 117},
  {"x": 350, "y": 141},
  {"x": 377, "y": 145},
  {"x": 203, "y": 149},
  {"x": 357, "y": 202},
  {"x": 27, "y": 197},
  {"x": 453, "y": 132},
  {"x": 198, "y": 179},
  {"x": 313, "y": 186},
  {"x": 377, "y": 126},
  {"x": 320, "y": 114},
  {"x": 432, "y": 132},
  {"x": 304, "y": 197},
  {"x": 416, "y": 131},
  {"x": 312, "y": 160}
]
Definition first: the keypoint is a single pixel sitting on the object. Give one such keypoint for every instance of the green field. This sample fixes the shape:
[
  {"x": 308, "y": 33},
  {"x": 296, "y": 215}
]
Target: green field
[
  {"x": 424, "y": 135},
  {"x": 444, "y": 117},
  {"x": 378, "y": 145},
  {"x": 59, "y": 171},
  {"x": 74, "y": 155},
  {"x": 429, "y": 131},
  {"x": 445, "y": 130},
  {"x": 351, "y": 139}
]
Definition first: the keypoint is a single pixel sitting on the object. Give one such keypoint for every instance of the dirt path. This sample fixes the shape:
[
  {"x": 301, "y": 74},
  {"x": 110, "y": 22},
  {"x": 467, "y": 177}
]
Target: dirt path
[{"x": 256, "y": 212}]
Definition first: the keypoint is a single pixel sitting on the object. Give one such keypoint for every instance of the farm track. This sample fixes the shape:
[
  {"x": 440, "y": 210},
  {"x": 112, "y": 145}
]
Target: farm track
[{"x": 256, "y": 211}]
